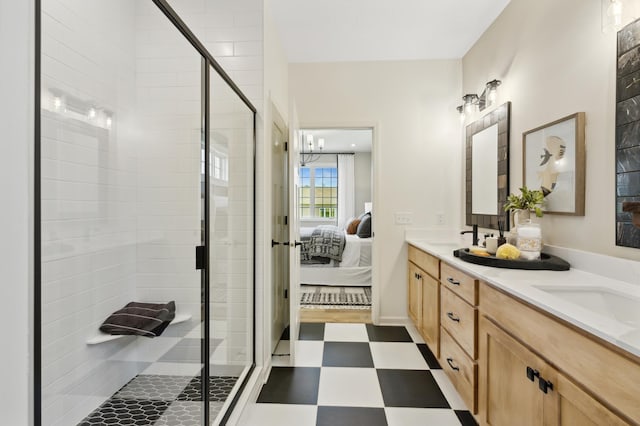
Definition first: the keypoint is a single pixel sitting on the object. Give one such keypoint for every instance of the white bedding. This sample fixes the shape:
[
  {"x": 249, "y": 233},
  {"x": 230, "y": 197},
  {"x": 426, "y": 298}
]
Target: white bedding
[{"x": 354, "y": 269}]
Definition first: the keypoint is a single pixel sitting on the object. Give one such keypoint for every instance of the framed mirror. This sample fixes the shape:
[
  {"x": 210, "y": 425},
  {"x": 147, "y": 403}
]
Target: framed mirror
[{"x": 487, "y": 168}]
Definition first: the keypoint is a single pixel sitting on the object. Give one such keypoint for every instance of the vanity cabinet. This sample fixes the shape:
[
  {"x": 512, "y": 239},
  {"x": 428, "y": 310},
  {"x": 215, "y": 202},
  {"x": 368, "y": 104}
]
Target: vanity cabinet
[
  {"x": 424, "y": 296},
  {"x": 459, "y": 327},
  {"x": 529, "y": 367}
]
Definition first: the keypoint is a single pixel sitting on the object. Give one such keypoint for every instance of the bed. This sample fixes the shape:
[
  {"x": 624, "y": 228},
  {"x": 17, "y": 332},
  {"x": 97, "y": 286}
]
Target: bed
[{"x": 353, "y": 270}]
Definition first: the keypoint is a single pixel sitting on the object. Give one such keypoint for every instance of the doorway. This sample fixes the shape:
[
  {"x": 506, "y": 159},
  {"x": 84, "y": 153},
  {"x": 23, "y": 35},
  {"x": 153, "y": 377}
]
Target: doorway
[{"x": 335, "y": 201}]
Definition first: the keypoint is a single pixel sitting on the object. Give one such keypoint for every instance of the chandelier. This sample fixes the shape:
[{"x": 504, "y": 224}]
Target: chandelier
[{"x": 308, "y": 155}]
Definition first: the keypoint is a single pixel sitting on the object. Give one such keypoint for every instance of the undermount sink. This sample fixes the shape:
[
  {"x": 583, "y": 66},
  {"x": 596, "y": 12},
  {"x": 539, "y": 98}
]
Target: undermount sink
[{"x": 611, "y": 304}]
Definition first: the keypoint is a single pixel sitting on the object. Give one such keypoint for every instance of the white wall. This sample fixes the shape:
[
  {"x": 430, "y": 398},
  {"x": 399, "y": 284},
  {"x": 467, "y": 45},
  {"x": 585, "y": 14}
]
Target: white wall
[
  {"x": 276, "y": 96},
  {"x": 363, "y": 177},
  {"x": 416, "y": 147},
  {"x": 16, "y": 216},
  {"x": 554, "y": 60}
]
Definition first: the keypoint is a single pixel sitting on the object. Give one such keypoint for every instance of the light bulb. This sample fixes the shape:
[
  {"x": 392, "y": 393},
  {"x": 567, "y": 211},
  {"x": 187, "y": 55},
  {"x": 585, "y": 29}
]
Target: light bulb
[
  {"x": 92, "y": 113},
  {"x": 108, "y": 122},
  {"x": 320, "y": 143},
  {"x": 493, "y": 94},
  {"x": 463, "y": 116},
  {"x": 57, "y": 102},
  {"x": 614, "y": 13}
]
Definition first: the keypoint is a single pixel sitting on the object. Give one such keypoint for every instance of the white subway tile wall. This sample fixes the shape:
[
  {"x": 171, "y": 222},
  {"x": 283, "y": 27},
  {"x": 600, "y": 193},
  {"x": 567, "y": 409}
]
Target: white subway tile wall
[{"x": 121, "y": 129}]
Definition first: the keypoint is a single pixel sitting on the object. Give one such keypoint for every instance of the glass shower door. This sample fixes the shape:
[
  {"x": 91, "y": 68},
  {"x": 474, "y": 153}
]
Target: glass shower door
[{"x": 231, "y": 242}]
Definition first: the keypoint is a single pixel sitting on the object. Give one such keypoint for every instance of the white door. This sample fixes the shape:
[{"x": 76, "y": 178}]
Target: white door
[
  {"x": 279, "y": 234},
  {"x": 294, "y": 230}
]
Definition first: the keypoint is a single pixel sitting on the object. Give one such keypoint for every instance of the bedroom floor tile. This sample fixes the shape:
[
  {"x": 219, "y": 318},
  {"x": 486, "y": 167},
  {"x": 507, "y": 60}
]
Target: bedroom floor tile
[
  {"x": 291, "y": 385},
  {"x": 345, "y": 332},
  {"x": 351, "y": 387},
  {"x": 401, "y": 356},
  {"x": 347, "y": 354},
  {"x": 386, "y": 333},
  {"x": 351, "y": 416},
  {"x": 311, "y": 331}
]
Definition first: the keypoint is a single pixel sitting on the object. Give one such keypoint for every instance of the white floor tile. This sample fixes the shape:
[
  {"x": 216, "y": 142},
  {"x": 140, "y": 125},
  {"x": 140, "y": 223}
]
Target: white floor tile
[
  {"x": 173, "y": 369},
  {"x": 345, "y": 333},
  {"x": 448, "y": 390},
  {"x": 404, "y": 356},
  {"x": 281, "y": 361},
  {"x": 144, "y": 349},
  {"x": 414, "y": 333},
  {"x": 421, "y": 416},
  {"x": 279, "y": 415},
  {"x": 351, "y": 387},
  {"x": 308, "y": 353},
  {"x": 282, "y": 347}
]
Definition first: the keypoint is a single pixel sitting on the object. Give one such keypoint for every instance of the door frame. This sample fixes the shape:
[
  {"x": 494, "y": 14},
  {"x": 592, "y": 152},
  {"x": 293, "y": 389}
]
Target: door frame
[{"x": 375, "y": 166}]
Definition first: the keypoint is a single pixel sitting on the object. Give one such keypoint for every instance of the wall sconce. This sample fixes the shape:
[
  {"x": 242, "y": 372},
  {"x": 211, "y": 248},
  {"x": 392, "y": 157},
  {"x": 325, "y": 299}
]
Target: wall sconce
[{"x": 473, "y": 102}]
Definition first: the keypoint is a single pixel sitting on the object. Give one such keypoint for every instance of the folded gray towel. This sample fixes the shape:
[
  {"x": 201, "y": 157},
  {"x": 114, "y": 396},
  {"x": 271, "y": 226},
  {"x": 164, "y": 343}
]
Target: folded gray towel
[{"x": 140, "y": 319}]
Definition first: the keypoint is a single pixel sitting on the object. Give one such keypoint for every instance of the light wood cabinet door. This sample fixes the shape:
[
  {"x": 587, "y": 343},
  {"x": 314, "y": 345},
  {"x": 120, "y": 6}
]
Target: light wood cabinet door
[
  {"x": 430, "y": 324},
  {"x": 576, "y": 407},
  {"x": 415, "y": 294},
  {"x": 506, "y": 396}
]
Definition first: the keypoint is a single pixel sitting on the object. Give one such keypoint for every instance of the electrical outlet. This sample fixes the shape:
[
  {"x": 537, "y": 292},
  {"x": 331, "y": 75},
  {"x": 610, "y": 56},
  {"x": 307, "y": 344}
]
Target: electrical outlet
[
  {"x": 404, "y": 218},
  {"x": 440, "y": 218}
]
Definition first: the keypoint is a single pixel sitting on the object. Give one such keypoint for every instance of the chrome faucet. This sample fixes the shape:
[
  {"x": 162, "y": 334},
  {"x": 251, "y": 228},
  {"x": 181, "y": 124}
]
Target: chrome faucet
[{"x": 474, "y": 232}]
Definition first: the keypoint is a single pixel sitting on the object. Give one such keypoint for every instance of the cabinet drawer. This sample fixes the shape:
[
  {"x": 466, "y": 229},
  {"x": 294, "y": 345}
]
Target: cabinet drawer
[
  {"x": 459, "y": 368},
  {"x": 430, "y": 264},
  {"x": 460, "y": 283},
  {"x": 460, "y": 320}
]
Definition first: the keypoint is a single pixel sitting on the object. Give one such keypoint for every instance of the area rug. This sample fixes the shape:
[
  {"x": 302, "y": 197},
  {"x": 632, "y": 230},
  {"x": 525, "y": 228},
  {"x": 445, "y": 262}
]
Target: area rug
[{"x": 335, "y": 296}]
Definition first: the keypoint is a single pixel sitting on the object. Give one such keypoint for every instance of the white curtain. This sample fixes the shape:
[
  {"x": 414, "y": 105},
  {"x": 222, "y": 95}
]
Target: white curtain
[{"x": 346, "y": 189}]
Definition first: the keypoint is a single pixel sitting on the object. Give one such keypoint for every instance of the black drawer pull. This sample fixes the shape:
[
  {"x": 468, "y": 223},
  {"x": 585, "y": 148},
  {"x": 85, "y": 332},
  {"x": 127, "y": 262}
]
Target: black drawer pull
[
  {"x": 452, "y": 317},
  {"x": 532, "y": 374},
  {"x": 544, "y": 385},
  {"x": 452, "y": 281},
  {"x": 453, "y": 367}
]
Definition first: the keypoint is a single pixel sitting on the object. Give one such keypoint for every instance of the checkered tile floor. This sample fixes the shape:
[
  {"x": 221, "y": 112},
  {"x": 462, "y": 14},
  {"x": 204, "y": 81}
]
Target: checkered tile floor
[{"x": 358, "y": 374}]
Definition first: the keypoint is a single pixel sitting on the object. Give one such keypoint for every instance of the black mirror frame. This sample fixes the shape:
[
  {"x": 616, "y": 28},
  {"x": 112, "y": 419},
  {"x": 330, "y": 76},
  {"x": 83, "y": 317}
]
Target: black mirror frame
[{"x": 502, "y": 116}]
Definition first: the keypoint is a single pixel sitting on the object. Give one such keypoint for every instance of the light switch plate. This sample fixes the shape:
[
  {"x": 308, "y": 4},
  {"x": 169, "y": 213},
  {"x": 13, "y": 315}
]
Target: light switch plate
[{"x": 404, "y": 218}]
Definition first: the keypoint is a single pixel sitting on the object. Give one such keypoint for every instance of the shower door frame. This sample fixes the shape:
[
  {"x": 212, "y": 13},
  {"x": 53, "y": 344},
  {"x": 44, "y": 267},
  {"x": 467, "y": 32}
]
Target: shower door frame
[{"x": 208, "y": 62}]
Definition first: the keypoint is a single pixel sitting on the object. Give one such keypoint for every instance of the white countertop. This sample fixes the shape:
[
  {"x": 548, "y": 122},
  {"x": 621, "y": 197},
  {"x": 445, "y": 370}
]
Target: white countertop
[{"x": 603, "y": 321}]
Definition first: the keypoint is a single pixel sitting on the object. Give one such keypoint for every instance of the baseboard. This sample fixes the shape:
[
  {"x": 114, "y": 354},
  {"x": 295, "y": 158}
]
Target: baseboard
[{"x": 394, "y": 321}]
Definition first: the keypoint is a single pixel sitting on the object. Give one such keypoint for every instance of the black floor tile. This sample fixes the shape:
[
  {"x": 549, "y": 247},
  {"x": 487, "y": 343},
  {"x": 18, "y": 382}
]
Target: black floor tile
[
  {"x": 410, "y": 388},
  {"x": 347, "y": 354},
  {"x": 350, "y": 416},
  {"x": 126, "y": 412},
  {"x": 311, "y": 331},
  {"x": 429, "y": 357},
  {"x": 388, "y": 333},
  {"x": 219, "y": 388},
  {"x": 286, "y": 334},
  {"x": 466, "y": 418},
  {"x": 291, "y": 385}
]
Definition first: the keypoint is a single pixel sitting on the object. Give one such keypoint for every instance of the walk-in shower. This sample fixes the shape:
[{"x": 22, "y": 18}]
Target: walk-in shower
[{"x": 145, "y": 151}]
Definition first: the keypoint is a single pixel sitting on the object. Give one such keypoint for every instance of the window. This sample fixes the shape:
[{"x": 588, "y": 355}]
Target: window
[{"x": 319, "y": 192}]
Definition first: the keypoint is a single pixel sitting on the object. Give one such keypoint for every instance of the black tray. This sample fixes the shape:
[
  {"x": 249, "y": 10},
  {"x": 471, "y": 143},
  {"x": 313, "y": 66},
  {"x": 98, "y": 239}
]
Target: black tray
[{"x": 546, "y": 261}]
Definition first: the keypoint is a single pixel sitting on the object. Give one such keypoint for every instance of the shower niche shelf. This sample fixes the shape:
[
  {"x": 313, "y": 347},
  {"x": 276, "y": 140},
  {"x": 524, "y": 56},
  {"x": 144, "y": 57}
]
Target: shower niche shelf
[{"x": 104, "y": 337}]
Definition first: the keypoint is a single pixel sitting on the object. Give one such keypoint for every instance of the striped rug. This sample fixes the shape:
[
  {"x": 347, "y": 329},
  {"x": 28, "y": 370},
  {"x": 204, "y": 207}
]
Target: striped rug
[{"x": 333, "y": 295}]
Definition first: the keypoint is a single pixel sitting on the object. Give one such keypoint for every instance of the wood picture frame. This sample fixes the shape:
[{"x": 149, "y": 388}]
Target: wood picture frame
[{"x": 553, "y": 160}]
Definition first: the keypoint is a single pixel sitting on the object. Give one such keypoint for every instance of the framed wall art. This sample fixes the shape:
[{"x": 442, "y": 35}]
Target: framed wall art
[{"x": 554, "y": 162}]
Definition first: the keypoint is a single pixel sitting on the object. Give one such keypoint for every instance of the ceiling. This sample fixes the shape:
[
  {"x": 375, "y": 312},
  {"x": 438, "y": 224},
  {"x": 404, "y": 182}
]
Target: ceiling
[
  {"x": 381, "y": 30},
  {"x": 341, "y": 140}
]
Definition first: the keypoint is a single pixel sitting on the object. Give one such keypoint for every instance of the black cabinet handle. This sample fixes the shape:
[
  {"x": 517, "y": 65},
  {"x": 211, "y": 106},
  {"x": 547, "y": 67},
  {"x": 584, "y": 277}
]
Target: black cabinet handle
[
  {"x": 452, "y": 281},
  {"x": 452, "y": 317},
  {"x": 453, "y": 367},
  {"x": 274, "y": 243},
  {"x": 544, "y": 385},
  {"x": 532, "y": 374},
  {"x": 297, "y": 243}
]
